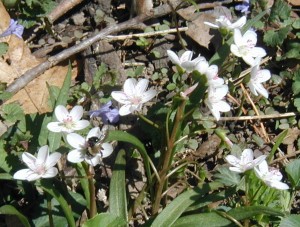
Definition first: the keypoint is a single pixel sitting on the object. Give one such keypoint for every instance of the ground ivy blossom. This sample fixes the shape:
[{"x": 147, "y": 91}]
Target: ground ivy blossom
[
  {"x": 244, "y": 46},
  {"x": 271, "y": 176},
  {"x": 68, "y": 121},
  {"x": 215, "y": 101},
  {"x": 81, "y": 145},
  {"x": 223, "y": 22},
  {"x": 41, "y": 166},
  {"x": 245, "y": 162},
  {"x": 185, "y": 60},
  {"x": 133, "y": 96},
  {"x": 107, "y": 113},
  {"x": 258, "y": 76},
  {"x": 14, "y": 28}
]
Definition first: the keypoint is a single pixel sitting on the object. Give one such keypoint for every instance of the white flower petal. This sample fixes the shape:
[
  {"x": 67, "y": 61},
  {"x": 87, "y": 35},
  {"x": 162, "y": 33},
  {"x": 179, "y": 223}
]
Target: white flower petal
[
  {"x": 252, "y": 88},
  {"x": 211, "y": 24},
  {"x": 61, "y": 113},
  {"x": 76, "y": 113},
  {"x": 173, "y": 57},
  {"x": 120, "y": 97},
  {"x": 249, "y": 59},
  {"x": 76, "y": 141},
  {"x": 141, "y": 87},
  {"x": 236, "y": 169},
  {"x": 54, "y": 127},
  {"x": 52, "y": 172},
  {"x": 257, "y": 52},
  {"x": 29, "y": 160},
  {"x": 129, "y": 87},
  {"x": 42, "y": 155},
  {"x": 107, "y": 150},
  {"x": 237, "y": 37},
  {"x": 239, "y": 23},
  {"x": 76, "y": 156},
  {"x": 261, "y": 90},
  {"x": 235, "y": 50},
  {"x": 247, "y": 156},
  {"x": 186, "y": 56},
  {"x": 22, "y": 174},
  {"x": 93, "y": 161},
  {"x": 262, "y": 75},
  {"x": 33, "y": 176},
  {"x": 250, "y": 38},
  {"x": 202, "y": 66},
  {"x": 52, "y": 160},
  {"x": 232, "y": 160},
  {"x": 278, "y": 185},
  {"x": 212, "y": 72},
  {"x": 81, "y": 124},
  {"x": 148, "y": 95},
  {"x": 223, "y": 106},
  {"x": 94, "y": 132},
  {"x": 125, "y": 110}
]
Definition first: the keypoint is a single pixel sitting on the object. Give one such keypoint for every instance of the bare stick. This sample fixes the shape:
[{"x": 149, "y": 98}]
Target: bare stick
[
  {"x": 260, "y": 117},
  {"x": 33, "y": 73}
]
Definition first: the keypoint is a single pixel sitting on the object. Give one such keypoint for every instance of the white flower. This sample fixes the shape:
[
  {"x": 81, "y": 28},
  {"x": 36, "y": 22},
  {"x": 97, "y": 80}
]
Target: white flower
[
  {"x": 224, "y": 22},
  {"x": 134, "y": 95},
  {"x": 212, "y": 77},
  {"x": 245, "y": 162},
  {"x": 258, "y": 76},
  {"x": 214, "y": 100},
  {"x": 244, "y": 46},
  {"x": 272, "y": 177},
  {"x": 40, "y": 166},
  {"x": 185, "y": 61},
  {"x": 68, "y": 122},
  {"x": 81, "y": 145}
]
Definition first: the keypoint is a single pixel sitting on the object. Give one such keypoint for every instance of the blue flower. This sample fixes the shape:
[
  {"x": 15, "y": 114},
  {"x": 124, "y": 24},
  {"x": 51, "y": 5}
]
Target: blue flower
[
  {"x": 107, "y": 113},
  {"x": 14, "y": 28},
  {"x": 244, "y": 7}
]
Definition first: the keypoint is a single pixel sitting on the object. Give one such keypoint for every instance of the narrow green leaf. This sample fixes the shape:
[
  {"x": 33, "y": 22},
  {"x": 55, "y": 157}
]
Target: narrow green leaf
[
  {"x": 293, "y": 171},
  {"x": 215, "y": 219},
  {"x": 84, "y": 182},
  {"x": 5, "y": 176},
  {"x": 174, "y": 210},
  {"x": 105, "y": 219},
  {"x": 117, "y": 188},
  {"x": 126, "y": 137},
  {"x": 50, "y": 189},
  {"x": 10, "y": 210},
  {"x": 279, "y": 140},
  {"x": 54, "y": 139}
]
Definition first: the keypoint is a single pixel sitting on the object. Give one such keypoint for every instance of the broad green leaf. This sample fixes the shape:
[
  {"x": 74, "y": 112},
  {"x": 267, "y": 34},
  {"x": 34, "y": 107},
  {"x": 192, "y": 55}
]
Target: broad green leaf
[
  {"x": 280, "y": 10},
  {"x": 293, "y": 171},
  {"x": 297, "y": 103},
  {"x": 105, "y": 219},
  {"x": 5, "y": 176},
  {"x": 55, "y": 138},
  {"x": 274, "y": 38},
  {"x": 227, "y": 177},
  {"x": 290, "y": 221},
  {"x": 3, "y": 48},
  {"x": 10, "y": 210},
  {"x": 12, "y": 112},
  {"x": 173, "y": 211},
  {"x": 117, "y": 188},
  {"x": 216, "y": 219}
]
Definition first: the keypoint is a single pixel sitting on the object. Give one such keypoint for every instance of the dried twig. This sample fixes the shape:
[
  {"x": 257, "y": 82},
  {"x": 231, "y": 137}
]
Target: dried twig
[
  {"x": 259, "y": 117},
  {"x": 33, "y": 73}
]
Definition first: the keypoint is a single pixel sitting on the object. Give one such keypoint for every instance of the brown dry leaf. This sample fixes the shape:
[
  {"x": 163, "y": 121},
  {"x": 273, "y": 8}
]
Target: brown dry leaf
[
  {"x": 197, "y": 30},
  {"x": 17, "y": 60},
  {"x": 294, "y": 2},
  {"x": 291, "y": 136}
]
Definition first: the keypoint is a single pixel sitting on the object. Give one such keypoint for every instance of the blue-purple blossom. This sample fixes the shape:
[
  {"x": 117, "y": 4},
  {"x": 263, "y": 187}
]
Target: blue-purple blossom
[
  {"x": 244, "y": 7},
  {"x": 107, "y": 113},
  {"x": 14, "y": 28}
]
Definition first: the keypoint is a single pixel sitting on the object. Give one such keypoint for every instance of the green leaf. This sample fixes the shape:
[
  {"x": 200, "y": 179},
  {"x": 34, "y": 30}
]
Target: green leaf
[
  {"x": 293, "y": 171},
  {"x": 117, "y": 188},
  {"x": 280, "y": 10},
  {"x": 105, "y": 219},
  {"x": 290, "y": 221},
  {"x": 126, "y": 137},
  {"x": 227, "y": 177},
  {"x": 296, "y": 24},
  {"x": 297, "y": 103},
  {"x": 279, "y": 140},
  {"x": 5, "y": 176},
  {"x": 12, "y": 112},
  {"x": 54, "y": 139},
  {"x": 173, "y": 211},
  {"x": 10, "y": 210},
  {"x": 3, "y": 48},
  {"x": 216, "y": 219},
  {"x": 274, "y": 38}
]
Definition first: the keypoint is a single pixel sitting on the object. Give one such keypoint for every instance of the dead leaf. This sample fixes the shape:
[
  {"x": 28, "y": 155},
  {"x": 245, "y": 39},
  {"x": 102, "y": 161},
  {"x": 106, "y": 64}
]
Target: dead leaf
[
  {"x": 292, "y": 135},
  {"x": 19, "y": 59}
]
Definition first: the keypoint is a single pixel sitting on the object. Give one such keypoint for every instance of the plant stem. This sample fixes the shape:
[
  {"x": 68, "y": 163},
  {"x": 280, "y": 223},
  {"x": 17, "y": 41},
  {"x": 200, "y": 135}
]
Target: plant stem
[
  {"x": 49, "y": 208},
  {"x": 93, "y": 208},
  {"x": 148, "y": 121},
  {"x": 167, "y": 158}
]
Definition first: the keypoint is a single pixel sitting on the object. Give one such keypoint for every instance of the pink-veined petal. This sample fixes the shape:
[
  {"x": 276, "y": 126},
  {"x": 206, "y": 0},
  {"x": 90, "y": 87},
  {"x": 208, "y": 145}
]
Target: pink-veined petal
[
  {"x": 232, "y": 160},
  {"x": 263, "y": 167},
  {"x": 247, "y": 156},
  {"x": 212, "y": 72},
  {"x": 29, "y": 160},
  {"x": 262, "y": 75},
  {"x": 148, "y": 95},
  {"x": 125, "y": 110},
  {"x": 81, "y": 124},
  {"x": 76, "y": 156},
  {"x": 76, "y": 141},
  {"x": 120, "y": 97},
  {"x": 129, "y": 87},
  {"x": 52, "y": 172},
  {"x": 55, "y": 127},
  {"x": 173, "y": 57},
  {"x": 235, "y": 50},
  {"x": 261, "y": 90},
  {"x": 22, "y": 174},
  {"x": 52, "y": 160},
  {"x": 42, "y": 155},
  {"x": 61, "y": 113},
  {"x": 186, "y": 56},
  {"x": 141, "y": 87},
  {"x": 33, "y": 176},
  {"x": 250, "y": 38},
  {"x": 76, "y": 113}
]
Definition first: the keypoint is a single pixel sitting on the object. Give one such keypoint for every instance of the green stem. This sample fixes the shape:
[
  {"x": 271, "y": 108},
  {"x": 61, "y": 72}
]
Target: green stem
[
  {"x": 49, "y": 208},
  {"x": 93, "y": 207},
  {"x": 148, "y": 121},
  {"x": 167, "y": 158}
]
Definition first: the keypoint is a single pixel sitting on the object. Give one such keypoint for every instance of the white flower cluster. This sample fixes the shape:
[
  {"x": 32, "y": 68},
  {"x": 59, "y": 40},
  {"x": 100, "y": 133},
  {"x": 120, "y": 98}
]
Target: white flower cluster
[{"x": 270, "y": 176}]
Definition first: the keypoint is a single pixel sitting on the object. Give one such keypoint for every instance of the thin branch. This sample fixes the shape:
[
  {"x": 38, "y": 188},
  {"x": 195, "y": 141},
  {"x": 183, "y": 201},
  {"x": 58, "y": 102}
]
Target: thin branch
[{"x": 260, "y": 117}]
